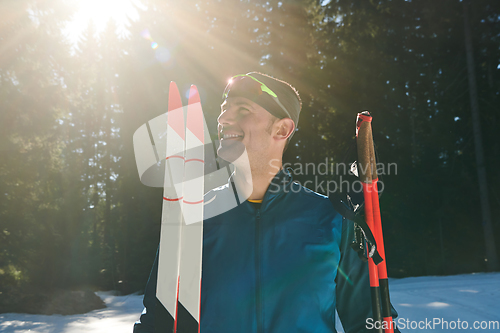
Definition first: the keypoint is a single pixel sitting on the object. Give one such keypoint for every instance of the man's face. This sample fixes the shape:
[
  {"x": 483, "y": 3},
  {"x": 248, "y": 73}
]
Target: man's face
[{"x": 244, "y": 124}]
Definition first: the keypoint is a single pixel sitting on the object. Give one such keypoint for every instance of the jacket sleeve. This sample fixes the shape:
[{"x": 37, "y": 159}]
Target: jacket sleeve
[
  {"x": 353, "y": 286},
  {"x": 146, "y": 323}
]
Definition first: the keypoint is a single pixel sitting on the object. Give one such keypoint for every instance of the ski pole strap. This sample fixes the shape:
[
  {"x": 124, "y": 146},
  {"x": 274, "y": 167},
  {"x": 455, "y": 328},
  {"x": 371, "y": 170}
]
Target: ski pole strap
[
  {"x": 359, "y": 243},
  {"x": 343, "y": 210}
]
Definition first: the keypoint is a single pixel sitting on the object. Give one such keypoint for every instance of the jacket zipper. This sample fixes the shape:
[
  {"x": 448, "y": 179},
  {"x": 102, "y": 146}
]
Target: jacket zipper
[{"x": 258, "y": 295}]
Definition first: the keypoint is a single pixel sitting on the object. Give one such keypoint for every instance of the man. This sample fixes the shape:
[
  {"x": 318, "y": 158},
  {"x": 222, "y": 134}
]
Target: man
[{"x": 280, "y": 261}]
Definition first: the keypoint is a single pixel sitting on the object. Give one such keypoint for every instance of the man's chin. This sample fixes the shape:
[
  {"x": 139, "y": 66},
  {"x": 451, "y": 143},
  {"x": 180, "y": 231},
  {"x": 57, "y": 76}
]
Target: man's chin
[{"x": 231, "y": 150}]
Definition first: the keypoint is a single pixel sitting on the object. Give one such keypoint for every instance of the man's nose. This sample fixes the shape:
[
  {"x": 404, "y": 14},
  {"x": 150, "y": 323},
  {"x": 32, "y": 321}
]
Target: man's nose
[{"x": 226, "y": 117}]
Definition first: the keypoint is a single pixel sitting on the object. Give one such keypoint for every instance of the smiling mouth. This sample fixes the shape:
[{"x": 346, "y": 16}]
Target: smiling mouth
[{"x": 231, "y": 136}]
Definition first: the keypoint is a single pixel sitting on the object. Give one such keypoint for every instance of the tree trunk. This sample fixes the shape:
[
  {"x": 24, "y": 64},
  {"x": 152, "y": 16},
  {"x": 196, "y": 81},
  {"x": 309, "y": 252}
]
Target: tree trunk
[{"x": 489, "y": 240}]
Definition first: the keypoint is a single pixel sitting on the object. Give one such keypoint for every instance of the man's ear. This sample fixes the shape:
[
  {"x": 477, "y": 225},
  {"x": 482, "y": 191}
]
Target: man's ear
[{"x": 285, "y": 128}]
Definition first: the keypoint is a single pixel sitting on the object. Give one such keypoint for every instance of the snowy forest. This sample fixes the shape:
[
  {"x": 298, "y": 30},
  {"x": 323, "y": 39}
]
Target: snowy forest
[{"x": 73, "y": 212}]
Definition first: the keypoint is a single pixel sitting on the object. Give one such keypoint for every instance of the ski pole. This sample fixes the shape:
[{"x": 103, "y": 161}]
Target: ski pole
[
  {"x": 371, "y": 176},
  {"x": 379, "y": 237},
  {"x": 364, "y": 140}
]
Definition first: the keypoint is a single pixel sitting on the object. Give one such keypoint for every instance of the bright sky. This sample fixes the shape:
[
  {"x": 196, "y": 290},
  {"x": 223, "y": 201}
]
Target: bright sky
[{"x": 100, "y": 11}]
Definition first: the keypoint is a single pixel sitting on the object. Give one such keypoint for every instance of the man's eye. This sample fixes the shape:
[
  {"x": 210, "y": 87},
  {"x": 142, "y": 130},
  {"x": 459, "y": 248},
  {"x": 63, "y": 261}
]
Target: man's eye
[{"x": 243, "y": 110}]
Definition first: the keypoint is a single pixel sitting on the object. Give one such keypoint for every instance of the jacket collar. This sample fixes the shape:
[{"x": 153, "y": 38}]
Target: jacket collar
[{"x": 280, "y": 184}]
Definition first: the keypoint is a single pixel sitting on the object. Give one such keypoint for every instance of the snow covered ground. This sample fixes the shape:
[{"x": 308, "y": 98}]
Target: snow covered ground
[
  {"x": 119, "y": 316},
  {"x": 425, "y": 304},
  {"x": 474, "y": 299},
  {"x": 447, "y": 303}
]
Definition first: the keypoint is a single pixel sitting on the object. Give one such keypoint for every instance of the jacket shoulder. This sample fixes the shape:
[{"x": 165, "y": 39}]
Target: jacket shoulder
[
  {"x": 312, "y": 198},
  {"x": 299, "y": 188}
]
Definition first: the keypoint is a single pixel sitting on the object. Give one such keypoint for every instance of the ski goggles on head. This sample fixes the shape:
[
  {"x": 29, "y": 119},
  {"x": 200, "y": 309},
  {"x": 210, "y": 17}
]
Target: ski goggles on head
[{"x": 257, "y": 92}]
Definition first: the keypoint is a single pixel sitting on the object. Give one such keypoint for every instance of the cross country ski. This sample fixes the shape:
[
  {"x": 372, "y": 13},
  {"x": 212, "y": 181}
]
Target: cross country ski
[{"x": 181, "y": 239}]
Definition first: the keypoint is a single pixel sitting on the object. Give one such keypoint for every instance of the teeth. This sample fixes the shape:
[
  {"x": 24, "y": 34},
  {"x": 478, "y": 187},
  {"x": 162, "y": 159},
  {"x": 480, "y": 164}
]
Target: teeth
[{"x": 227, "y": 136}]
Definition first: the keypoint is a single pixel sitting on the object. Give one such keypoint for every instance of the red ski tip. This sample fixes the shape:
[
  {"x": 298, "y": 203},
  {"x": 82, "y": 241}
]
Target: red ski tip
[
  {"x": 194, "y": 96},
  {"x": 195, "y": 114},
  {"x": 174, "y": 97},
  {"x": 175, "y": 119}
]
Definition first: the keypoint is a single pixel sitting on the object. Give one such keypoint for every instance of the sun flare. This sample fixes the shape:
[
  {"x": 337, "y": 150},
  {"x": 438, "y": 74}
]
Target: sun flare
[{"x": 100, "y": 12}]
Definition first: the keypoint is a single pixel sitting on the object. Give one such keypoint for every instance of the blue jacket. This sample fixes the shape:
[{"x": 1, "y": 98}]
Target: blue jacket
[{"x": 282, "y": 266}]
